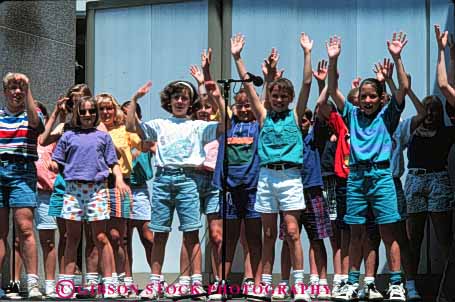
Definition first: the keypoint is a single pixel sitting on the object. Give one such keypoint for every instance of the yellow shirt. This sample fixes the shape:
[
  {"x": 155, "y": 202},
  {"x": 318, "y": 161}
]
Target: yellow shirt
[{"x": 125, "y": 141}]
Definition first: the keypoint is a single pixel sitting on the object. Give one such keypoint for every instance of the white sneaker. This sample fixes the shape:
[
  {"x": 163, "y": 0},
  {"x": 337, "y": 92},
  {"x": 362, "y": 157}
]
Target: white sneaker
[
  {"x": 261, "y": 292},
  {"x": 149, "y": 294},
  {"x": 413, "y": 295},
  {"x": 34, "y": 292},
  {"x": 301, "y": 295},
  {"x": 372, "y": 293},
  {"x": 349, "y": 292},
  {"x": 396, "y": 293},
  {"x": 312, "y": 290},
  {"x": 281, "y": 292},
  {"x": 324, "y": 292},
  {"x": 336, "y": 289},
  {"x": 215, "y": 294},
  {"x": 178, "y": 291}
]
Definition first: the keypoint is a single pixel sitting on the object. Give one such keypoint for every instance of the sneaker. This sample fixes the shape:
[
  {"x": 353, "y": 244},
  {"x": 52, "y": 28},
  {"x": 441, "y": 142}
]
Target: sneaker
[
  {"x": 198, "y": 292},
  {"x": 149, "y": 294},
  {"x": 413, "y": 295},
  {"x": 396, "y": 293},
  {"x": 312, "y": 290},
  {"x": 324, "y": 292},
  {"x": 215, "y": 292},
  {"x": 261, "y": 292},
  {"x": 34, "y": 292},
  {"x": 2, "y": 293},
  {"x": 336, "y": 289},
  {"x": 349, "y": 292},
  {"x": 178, "y": 291},
  {"x": 372, "y": 293},
  {"x": 12, "y": 290},
  {"x": 281, "y": 292},
  {"x": 163, "y": 288},
  {"x": 361, "y": 293}
]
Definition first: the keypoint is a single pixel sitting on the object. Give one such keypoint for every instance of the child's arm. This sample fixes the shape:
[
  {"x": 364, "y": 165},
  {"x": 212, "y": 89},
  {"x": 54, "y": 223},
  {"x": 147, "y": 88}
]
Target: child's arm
[
  {"x": 384, "y": 72},
  {"x": 447, "y": 90},
  {"x": 333, "y": 50},
  {"x": 355, "y": 83},
  {"x": 206, "y": 60},
  {"x": 420, "y": 108},
  {"x": 451, "y": 76},
  {"x": 120, "y": 184},
  {"x": 321, "y": 74},
  {"x": 237, "y": 43},
  {"x": 215, "y": 94},
  {"x": 304, "y": 94},
  {"x": 271, "y": 73},
  {"x": 132, "y": 121},
  {"x": 395, "y": 47},
  {"x": 324, "y": 108},
  {"x": 34, "y": 121},
  {"x": 48, "y": 136}
]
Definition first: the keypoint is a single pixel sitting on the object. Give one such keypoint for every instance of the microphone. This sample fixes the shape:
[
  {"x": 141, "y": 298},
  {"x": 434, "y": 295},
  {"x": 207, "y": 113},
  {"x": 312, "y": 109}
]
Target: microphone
[{"x": 256, "y": 80}]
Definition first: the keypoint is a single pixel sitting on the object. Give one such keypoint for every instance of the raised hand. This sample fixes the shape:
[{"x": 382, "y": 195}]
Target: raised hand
[
  {"x": 398, "y": 43},
  {"x": 206, "y": 58},
  {"x": 212, "y": 89},
  {"x": 333, "y": 47},
  {"x": 143, "y": 90},
  {"x": 197, "y": 74},
  {"x": 269, "y": 66},
  {"x": 305, "y": 42},
  {"x": 441, "y": 38},
  {"x": 356, "y": 82},
  {"x": 320, "y": 74},
  {"x": 237, "y": 43},
  {"x": 383, "y": 70}
]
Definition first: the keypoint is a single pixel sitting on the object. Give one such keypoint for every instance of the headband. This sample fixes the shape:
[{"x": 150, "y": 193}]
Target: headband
[{"x": 187, "y": 85}]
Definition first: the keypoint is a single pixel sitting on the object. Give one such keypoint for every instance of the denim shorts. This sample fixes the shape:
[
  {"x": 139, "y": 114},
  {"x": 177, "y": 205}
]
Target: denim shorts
[
  {"x": 175, "y": 189},
  {"x": 43, "y": 220},
  {"x": 316, "y": 218},
  {"x": 56, "y": 201},
  {"x": 240, "y": 204},
  {"x": 142, "y": 207},
  {"x": 279, "y": 190},
  {"x": 17, "y": 184},
  {"x": 430, "y": 192},
  {"x": 208, "y": 194},
  {"x": 371, "y": 186}
]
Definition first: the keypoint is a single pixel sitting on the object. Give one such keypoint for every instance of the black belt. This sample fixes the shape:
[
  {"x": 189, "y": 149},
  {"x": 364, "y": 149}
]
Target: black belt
[
  {"x": 369, "y": 165},
  {"x": 282, "y": 166},
  {"x": 422, "y": 171}
]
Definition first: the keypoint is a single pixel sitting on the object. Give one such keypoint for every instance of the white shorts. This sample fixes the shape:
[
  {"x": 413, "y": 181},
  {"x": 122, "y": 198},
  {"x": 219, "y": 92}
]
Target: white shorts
[
  {"x": 42, "y": 219},
  {"x": 279, "y": 190},
  {"x": 142, "y": 206}
]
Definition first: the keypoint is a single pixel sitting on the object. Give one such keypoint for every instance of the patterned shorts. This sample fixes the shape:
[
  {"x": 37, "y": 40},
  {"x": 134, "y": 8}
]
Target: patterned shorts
[
  {"x": 430, "y": 192},
  {"x": 315, "y": 218},
  {"x": 85, "y": 201},
  {"x": 329, "y": 194}
]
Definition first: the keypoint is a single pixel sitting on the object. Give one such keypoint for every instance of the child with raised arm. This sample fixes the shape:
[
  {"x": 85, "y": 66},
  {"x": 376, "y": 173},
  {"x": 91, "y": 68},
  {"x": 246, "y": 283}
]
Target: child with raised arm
[
  {"x": 84, "y": 155},
  {"x": 280, "y": 149},
  {"x": 180, "y": 149},
  {"x": 370, "y": 180}
]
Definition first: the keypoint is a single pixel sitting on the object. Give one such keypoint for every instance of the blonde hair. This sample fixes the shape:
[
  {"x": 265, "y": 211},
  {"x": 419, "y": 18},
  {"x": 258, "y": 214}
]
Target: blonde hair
[
  {"x": 11, "y": 76},
  {"x": 104, "y": 98}
]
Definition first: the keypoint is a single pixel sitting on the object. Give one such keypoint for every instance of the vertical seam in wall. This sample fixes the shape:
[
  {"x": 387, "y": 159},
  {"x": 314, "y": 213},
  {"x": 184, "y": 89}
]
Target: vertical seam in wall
[
  {"x": 225, "y": 40},
  {"x": 90, "y": 48},
  {"x": 427, "y": 92}
]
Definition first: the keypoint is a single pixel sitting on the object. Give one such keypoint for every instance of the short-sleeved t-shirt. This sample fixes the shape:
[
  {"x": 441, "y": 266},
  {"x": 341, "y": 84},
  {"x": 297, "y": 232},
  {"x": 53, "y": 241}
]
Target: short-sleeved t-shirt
[
  {"x": 342, "y": 152},
  {"x": 124, "y": 141},
  {"x": 45, "y": 176},
  {"x": 400, "y": 140},
  {"x": 311, "y": 171},
  {"x": 85, "y": 155},
  {"x": 371, "y": 137},
  {"x": 211, "y": 154},
  {"x": 16, "y": 136},
  {"x": 180, "y": 141}
]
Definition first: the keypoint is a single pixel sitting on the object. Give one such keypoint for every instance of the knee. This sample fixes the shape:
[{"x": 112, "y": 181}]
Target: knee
[
  {"x": 115, "y": 237},
  {"x": 47, "y": 244},
  {"x": 216, "y": 238},
  {"x": 25, "y": 229},
  {"x": 191, "y": 238},
  {"x": 317, "y": 245},
  {"x": 101, "y": 240},
  {"x": 270, "y": 234},
  {"x": 292, "y": 234}
]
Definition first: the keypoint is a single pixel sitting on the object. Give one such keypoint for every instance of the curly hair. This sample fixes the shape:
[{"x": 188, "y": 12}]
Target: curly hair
[
  {"x": 177, "y": 87},
  {"x": 107, "y": 98}
]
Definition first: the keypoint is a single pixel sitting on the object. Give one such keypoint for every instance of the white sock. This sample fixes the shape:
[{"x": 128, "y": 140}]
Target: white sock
[
  {"x": 185, "y": 280},
  {"x": 91, "y": 278},
  {"x": 284, "y": 282},
  {"x": 49, "y": 287},
  {"x": 161, "y": 278},
  {"x": 344, "y": 278},
  {"x": 337, "y": 279},
  {"x": 128, "y": 281},
  {"x": 154, "y": 279},
  {"x": 314, "y": 279},
  {"x": 410, "y": 284},
  {"x": 196, "y": 279},
  {"x": 266, "y": 278},
  {"x": 32, "y": 280},
  {"x": 368, "y": 280},
  {"x": 323, "y": 282},
  {"x": 298, "y": 276}
]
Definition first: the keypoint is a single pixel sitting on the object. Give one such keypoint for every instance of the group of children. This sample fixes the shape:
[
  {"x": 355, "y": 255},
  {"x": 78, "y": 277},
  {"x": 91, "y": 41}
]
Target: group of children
[{"x": 335, "y": 170}]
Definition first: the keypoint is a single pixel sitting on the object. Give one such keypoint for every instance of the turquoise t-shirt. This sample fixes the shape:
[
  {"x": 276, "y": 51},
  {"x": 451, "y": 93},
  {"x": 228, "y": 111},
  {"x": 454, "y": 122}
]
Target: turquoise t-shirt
[
  {"x": 371, "y": 137},
  {"x": 280, "y": 140},
  {"x": 142, "y": 169}
]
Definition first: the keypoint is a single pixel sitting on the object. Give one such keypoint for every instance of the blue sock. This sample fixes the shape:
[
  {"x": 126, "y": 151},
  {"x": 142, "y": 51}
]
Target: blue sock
[
  {"x": 353, "y": 277},
  {"x": 395, "y": 278}
]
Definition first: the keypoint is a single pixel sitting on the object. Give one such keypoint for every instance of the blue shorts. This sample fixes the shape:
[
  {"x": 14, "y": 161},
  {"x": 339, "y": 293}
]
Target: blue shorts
[
  {"x": 372, "y": 186},
  {"x": 17, "y": 184},
  {"x": 208, "y": 194},
  {"x": 56, "y": 201},
  {"x": 43, "y": 220},
  {"x": 240, "y": 204},
  {"x": 175, "y": 189},
  {"x": 142, "y": 207}
]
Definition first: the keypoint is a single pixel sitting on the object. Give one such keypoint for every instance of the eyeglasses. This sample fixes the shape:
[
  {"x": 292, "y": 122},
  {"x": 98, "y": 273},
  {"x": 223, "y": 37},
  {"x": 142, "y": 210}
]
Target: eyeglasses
[
  {"x": 106, "y": 108},
  {"x": 240, "y": 106},
  {"x": 84, "y": 111}
]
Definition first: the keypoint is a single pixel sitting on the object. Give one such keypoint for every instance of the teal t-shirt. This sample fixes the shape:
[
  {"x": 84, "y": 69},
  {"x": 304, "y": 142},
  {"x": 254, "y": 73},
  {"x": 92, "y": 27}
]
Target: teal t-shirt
[
  {"x": 280, "y": 139},
  {"x": 371, "y": 137},
  {"x": 142, "y": 169}
]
